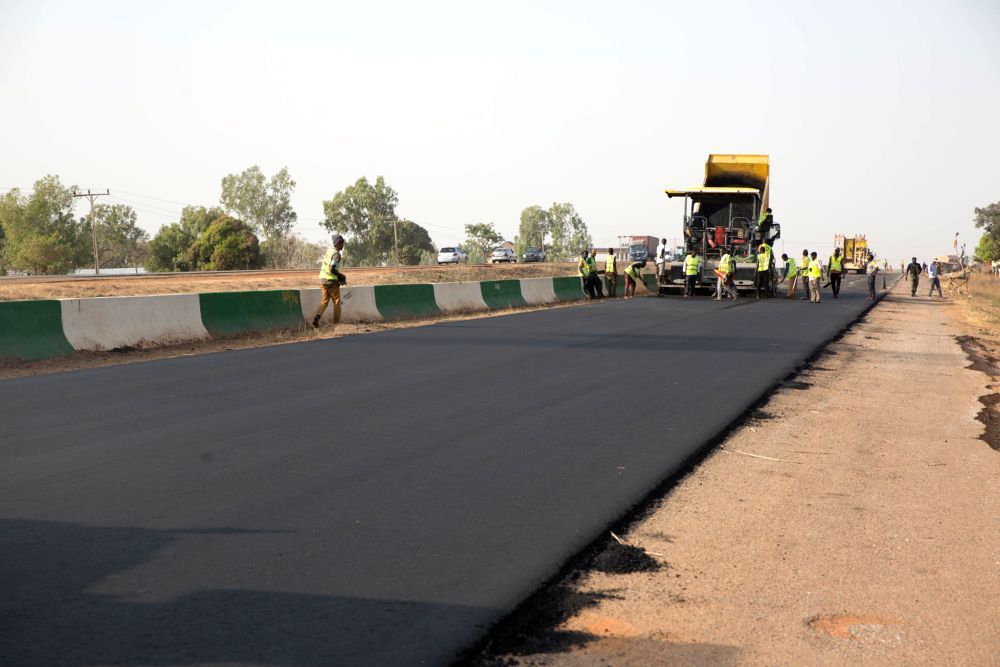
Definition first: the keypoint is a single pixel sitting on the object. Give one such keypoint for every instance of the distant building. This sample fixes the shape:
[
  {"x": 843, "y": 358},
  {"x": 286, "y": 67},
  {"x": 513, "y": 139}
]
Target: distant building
[{"x": 506, "y": 244}]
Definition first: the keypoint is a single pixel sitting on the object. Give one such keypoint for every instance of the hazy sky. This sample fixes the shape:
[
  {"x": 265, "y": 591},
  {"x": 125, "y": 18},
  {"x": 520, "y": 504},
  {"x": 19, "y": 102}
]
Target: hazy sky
[{"x": 879, "y": 117}]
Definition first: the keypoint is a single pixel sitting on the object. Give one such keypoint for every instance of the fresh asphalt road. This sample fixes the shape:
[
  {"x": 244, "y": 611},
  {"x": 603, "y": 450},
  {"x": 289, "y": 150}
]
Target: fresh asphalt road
[{"x": 372, "y": 500}]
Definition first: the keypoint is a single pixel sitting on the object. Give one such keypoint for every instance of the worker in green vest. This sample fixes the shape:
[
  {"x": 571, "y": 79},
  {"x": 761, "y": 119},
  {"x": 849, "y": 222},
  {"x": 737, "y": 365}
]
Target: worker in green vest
[
  {"x": 791, "y": 275},
  {"x": 815, "y": 277},
  {"x": 691, "y": 263},
  {"x": 835, "y": 270},
  {"x": 762, "y": 280},
  {"x": 330, "y": 279},
  {"x": 633, "y": 276},
  {"x": 804, "y": 273},
  {"x": 611, "y": 273},
  {"x": 584, "y": 266},
  {"x": 725, "y": 277}
]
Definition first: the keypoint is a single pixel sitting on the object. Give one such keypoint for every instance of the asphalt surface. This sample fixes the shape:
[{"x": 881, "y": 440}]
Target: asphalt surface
[{"x": 376, "y": 499}]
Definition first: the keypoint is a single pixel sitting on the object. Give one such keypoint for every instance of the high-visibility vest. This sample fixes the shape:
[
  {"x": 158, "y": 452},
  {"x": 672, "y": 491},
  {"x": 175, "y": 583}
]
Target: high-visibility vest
[
  {"x": 815, "y": 269},
  {"x": 836, "y": 263},
  {"x": 804, "y": 266},
  {"x": 610, "y": 265},
  {"x": 724, "y": 267},
  {"x": 634, "y": 271},
  {"x": 764, "y": 259},
  {"x": 872, "y": 266},
  {"x": 584, "y": 266},
  {"x": 328, "y": 258},
  {"x": 792, "y": 267},
  {"x": 690, "y": 265}
]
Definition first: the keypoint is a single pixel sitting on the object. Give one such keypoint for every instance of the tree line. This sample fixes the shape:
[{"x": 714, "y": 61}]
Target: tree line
[{"x": 250, "y": 228}]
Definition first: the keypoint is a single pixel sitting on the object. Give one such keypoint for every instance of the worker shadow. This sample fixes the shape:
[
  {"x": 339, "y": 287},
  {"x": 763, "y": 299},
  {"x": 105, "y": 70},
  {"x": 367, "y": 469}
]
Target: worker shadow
[{"x": 50, "y": 613}]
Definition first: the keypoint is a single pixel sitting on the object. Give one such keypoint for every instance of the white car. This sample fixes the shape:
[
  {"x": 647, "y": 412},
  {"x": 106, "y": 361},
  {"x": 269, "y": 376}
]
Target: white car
[
  {"x": 452, "y": 256},
  {"x": 503, "y": 255}
]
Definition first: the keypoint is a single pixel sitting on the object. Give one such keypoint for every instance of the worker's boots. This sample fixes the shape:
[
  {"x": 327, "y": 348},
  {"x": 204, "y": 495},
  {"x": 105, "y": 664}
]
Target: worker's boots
[{"x": 316, "y": 322}]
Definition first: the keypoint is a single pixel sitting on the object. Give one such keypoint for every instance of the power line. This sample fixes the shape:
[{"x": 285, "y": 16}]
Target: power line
[{"x": 93, "y": 223}]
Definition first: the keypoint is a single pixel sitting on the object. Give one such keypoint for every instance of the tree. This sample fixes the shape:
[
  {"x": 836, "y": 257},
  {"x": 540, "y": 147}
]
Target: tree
[
  {"x": 168, "y": 251},
  {"x": 480, "y": 239},
  {"x": 119, "y": 239},
  {"x": 265, "y": 205},
  {"x": 41, "y": 230},
  {"x": 987, "y": 250},
  {"x": 226, "y": 245},
  {"x": 364, "y": 213},
  {"x": 569, "y": 232},
  {"x": 532, "y": 231},
  {"x": 298, "y": 253},
  {"x": 414, "y": 241}
]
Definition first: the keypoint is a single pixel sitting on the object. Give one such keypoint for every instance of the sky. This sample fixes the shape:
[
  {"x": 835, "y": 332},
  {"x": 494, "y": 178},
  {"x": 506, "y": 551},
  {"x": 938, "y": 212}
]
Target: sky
[{"x": 880, "y": 117}]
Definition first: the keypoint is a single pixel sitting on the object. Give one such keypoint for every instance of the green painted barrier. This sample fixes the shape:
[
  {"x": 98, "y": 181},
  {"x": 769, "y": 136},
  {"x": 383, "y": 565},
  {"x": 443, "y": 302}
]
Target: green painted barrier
[
  {"x": 568, "y": 288},
  {"x": 32, "y": 330},
  {"x": 649, "y": 280},
  {"x": 400, "y": 301},
  {"x": 502, "y": 293},
  {"x": 227, "y": 313}
]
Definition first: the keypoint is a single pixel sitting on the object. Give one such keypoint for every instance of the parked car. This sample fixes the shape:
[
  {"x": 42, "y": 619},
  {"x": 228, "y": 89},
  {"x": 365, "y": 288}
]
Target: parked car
[
  {"x": 452, "y": 256},
  {"x": 534, "y": 255},
  {"x": 503, "y": 255}
]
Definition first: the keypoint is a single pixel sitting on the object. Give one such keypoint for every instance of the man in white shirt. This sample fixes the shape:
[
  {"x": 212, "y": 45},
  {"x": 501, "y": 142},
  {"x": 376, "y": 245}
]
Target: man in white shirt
[{"x": 661, "y": 256}]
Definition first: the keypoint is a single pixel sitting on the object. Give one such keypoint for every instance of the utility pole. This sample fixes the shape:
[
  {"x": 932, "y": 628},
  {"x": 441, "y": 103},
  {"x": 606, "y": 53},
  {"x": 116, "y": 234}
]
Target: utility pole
[
  {"x": 395, "y": 242},
  {"x": 93, "y": 223}
]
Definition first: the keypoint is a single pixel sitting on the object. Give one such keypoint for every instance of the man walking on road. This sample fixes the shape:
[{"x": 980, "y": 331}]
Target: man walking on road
[
  {"x": 933, "y": 272},
  {"x": 804, "y": 274},
  {"x": 331, "y": 279},
  {"x": 872, "y": 273},
  {"x": 691, "y": 263},
  {"x": 611, "y": 273},
  {"x": 815, "y": 277},
  {"x": 724, "y": 277},
  {"x": 834, "y": 270},
  {"x": 913, "y": 273},
  {"x": 633, "y": 274},
  {"x": 791, "y": 275}
]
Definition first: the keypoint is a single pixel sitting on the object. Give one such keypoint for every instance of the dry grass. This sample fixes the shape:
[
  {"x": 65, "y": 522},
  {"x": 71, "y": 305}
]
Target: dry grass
[
  {"x": 135, "y": 286},
  {"x": 979, "y": 296}
]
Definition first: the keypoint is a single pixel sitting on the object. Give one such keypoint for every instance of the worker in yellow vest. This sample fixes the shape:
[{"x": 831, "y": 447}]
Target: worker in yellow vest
[
  {"x": 633, "y": 276},
  {"x": 584, "y": 267},
  {"x": 835, "y": 270},
  {"x": 725, "y": 277},
  {"x": 762, "y": 280},
  {"x": 691, "y": 266},
  {"x": 791, "y": 275},
  {"x": 804, "y": 273},
  {"x": 815, "y": 277},
  {"x": 330, "y": 279},
  {"x": 611, "y": 273}
]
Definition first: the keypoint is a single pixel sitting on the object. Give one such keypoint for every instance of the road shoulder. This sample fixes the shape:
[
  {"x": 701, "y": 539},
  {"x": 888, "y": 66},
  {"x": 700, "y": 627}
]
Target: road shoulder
[{"x": 852, "y": 519}]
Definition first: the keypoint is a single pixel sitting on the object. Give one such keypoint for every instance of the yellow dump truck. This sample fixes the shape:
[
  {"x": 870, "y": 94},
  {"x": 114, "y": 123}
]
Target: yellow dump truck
[
  {"x": 855, "y": 251},
  {"x": 725, "y": 214}
]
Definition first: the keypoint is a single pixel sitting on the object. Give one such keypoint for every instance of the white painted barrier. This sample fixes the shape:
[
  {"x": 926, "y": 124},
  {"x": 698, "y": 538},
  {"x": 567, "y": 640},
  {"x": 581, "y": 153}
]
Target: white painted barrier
[
  {"x": 107, "y": 323},
  {"x": 458, "y": 297},
  {"x": 358, "y": 304},
  {"x": 538, "y": 290}
]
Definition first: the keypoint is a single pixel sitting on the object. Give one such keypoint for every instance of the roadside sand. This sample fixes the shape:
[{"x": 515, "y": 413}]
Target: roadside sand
[
  {"x": 871, "y": 534},
  {"x": 228, "y": 282}
]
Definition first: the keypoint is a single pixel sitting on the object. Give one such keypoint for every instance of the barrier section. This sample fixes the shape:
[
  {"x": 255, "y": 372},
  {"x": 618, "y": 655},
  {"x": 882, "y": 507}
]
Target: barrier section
[
  {"x": 109, "y": 323},
  {"x": 32, "y": 330},
  {"x": 458, "y": 297},
  {"x": 358, "y": 304},
  {"x": 402, "y": 301},
  {"x": 569, "y": 288},
  {"x": 538, "y": 290},
  {"x": 227, "y": 313},
  {"x": 502, "y": 293},
  {"x": 649, "y": 280}
]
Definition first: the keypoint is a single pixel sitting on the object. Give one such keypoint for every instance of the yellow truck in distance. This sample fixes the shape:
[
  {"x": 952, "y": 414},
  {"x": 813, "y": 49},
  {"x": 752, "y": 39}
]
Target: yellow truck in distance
[
  {"x": 725, "y": 216},
  {"x": 855, "y": 252}
]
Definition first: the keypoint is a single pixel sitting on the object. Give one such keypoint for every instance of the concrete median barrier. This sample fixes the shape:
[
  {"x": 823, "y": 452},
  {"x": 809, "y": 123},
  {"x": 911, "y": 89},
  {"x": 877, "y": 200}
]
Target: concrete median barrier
[
  {"x": 406, "y": 301},
  {"x": 228, "y": 313},
  {"x": 32, "y": 330},
  {"x": 358, "y": 305},
  {"x": 459, "y": 297},
  {"x": 537, "y": 291},
  {"x": 502, "y": 293},
  {"x": 568, "y": 288},
  {"x": 109, "y": 323}
]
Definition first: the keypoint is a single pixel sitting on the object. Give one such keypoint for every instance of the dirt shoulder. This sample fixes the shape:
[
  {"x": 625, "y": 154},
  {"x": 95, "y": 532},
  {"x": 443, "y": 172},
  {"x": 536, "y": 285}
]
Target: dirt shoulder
[
  {"x": 227, "y": 282},
  {"x": 854, "y": 520}
]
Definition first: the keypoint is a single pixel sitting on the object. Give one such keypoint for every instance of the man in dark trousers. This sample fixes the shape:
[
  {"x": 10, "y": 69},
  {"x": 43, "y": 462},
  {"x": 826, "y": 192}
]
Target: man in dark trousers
[
  {"x": 873, "y": 269},
  {"x": 913, "y": 271},
  {"x": 835, "y": 268},
  {"x": 611, "y": 272}
]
